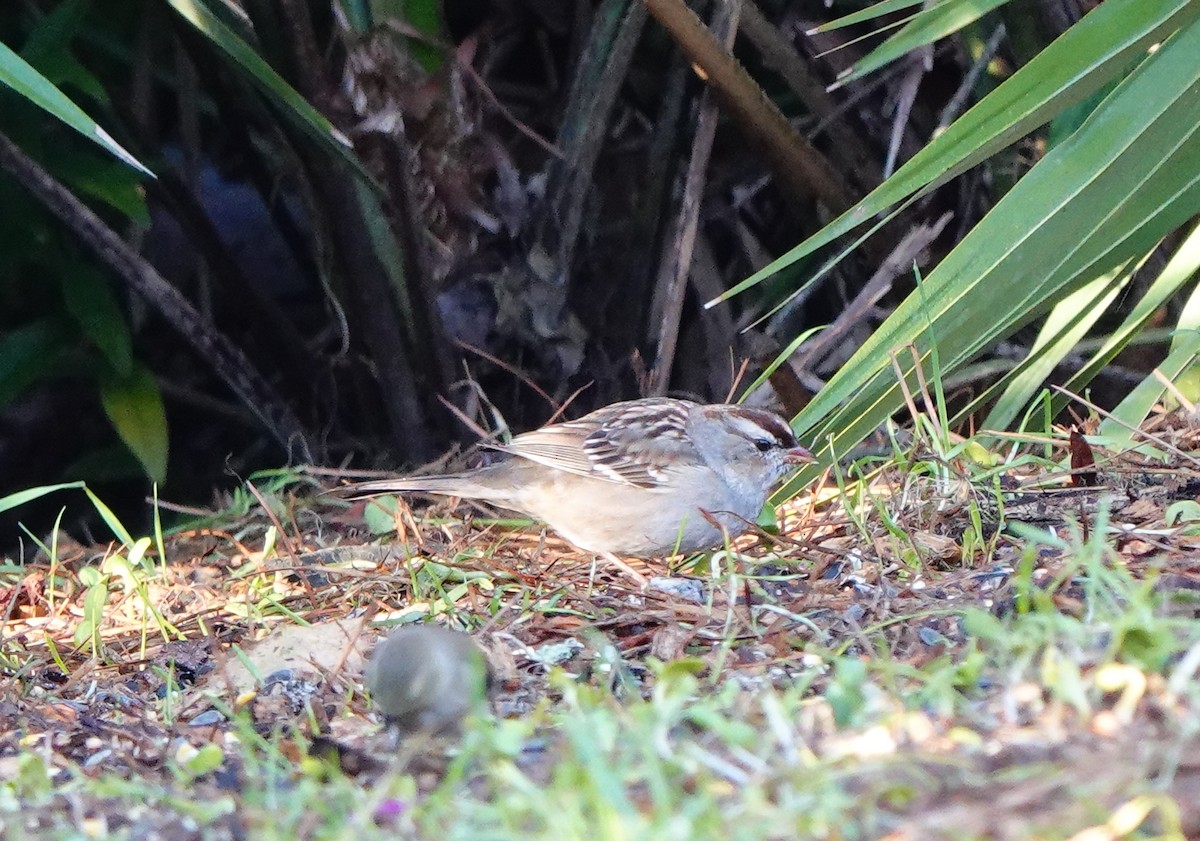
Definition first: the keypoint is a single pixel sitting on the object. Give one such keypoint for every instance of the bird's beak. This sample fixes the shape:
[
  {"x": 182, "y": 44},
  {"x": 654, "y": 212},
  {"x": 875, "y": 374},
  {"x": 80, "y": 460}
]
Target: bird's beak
[{"x": 799, "y": 455}]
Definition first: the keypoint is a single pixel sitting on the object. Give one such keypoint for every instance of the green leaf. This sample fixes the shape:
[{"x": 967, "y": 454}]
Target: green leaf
[
  {"x": 387, "y": 251},
  {"x": 1070, "y": 119},
  {"x": 205, "y": 760},
  {"x": 94, "y": 601},
  {"x": 1181, "y": 268},
  {"x": 783, "y": 356},
  {"x": 134, "y": 405},
  {"x": 872, "y": 12},
  {"x": 925, "y": 27},
  {"x": 48, "y": 49},
  {"x": 1183, "y": 511},
  {"x": 358, "y": 14},
  {"x": 21, "y": 77},
  {"x": 1087, "y": 56},
  {"x": 106, "y": 180},
  {"x": 91, "y": 301},
  {"x": 1119, "y": 428},
  {"x": 1187, "y": 260},
  {"x": 55, "y": 31},
  {"x": 380, "y": 515},
  {"x": 1064, "y": 328},
  {"x": 279, "y": 93},
  {"x": 30, "y": 353},
  {"x": 983, "y": 625},
  {"x": 114, "y": 462},
  {"x": 846, "y": 692},
  {"x": 1120, "y": 183},
  {"x": 425, "y": 16}
]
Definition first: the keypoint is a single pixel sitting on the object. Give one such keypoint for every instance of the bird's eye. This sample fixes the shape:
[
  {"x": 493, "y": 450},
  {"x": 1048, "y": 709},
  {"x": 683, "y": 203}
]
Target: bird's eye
[{"x": 764, "y": 444}]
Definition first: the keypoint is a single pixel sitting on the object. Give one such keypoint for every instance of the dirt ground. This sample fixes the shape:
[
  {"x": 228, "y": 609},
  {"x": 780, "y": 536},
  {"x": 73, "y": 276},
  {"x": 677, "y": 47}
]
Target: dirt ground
[{"x": 965, "y": 677}]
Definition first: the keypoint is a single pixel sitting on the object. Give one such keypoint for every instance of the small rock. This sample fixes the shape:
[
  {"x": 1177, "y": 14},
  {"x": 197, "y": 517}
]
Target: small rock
[
  {"x": 208, "y": 718},
  {"x": 427, "y": 678},
  {"x": 688, "y": 589}
]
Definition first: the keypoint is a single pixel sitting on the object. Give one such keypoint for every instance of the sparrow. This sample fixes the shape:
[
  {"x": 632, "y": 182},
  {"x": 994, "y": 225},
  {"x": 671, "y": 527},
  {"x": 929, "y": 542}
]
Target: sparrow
[{"x": 641, "y": 478}]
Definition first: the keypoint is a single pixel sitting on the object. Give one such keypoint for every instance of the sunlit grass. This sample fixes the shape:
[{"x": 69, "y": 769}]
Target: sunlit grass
[{"x": 829, "y": 734}]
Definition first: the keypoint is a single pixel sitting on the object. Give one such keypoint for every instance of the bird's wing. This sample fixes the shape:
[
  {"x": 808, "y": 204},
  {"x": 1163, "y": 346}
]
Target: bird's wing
[{"x": 633, "y": 443}]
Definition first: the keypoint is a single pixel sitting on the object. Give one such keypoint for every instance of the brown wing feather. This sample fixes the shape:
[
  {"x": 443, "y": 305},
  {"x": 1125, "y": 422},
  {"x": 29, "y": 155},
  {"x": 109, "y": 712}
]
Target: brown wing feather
[
  {"x": 624, "y": 442},
  {"x": 553, "y": 447}
]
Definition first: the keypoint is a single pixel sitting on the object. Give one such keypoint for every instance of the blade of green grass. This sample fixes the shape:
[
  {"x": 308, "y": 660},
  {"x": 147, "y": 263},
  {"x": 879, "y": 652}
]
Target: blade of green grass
[
  {"x": 110, "y": 519},
  {"x": 15, "y": 500}
]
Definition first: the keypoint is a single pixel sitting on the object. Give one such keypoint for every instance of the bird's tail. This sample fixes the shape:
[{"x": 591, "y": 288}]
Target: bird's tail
[{"x": 468, "y": 485}]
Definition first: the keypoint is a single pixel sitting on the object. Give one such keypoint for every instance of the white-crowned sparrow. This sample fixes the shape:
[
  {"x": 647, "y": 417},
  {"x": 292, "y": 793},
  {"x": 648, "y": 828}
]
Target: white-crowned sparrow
[
  {"x": 427, "y": 678},
  {"x": 640, "y": 478}
]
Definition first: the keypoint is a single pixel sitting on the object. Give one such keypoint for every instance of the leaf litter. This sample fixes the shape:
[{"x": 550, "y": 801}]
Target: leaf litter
[{"x": 1005, "y": 657}]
